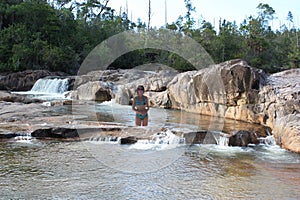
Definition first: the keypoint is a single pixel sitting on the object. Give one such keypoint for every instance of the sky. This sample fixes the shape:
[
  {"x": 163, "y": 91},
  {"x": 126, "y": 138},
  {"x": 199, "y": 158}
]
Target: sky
[{"x": 209, "y": 10}]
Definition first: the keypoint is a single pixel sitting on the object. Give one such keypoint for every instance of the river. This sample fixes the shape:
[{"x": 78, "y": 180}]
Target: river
[{"x": 34, "y": 169}]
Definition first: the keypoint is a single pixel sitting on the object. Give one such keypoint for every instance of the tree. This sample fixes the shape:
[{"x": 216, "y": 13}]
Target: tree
[
  {"x": 45, "y": 34},
  {"x": 265, "y": 14},
  {"x": 231, "y": 44},
  {"x": 92, "y": 9},
  {"x": 188, "y": 17}
]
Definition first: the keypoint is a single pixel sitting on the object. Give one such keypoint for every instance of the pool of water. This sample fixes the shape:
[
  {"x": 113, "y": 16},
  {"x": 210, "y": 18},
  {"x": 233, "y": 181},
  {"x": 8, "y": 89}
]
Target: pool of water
[
  {"x": 33, "y": 169},
  {"x": 43, "y": 170}
]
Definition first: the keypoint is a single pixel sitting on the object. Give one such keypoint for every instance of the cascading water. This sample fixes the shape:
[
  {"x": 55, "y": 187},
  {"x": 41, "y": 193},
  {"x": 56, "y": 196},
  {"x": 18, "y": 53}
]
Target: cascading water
[
  {"x": 159, "y": 141},
  {"x": 25, "y": 137},
  {"x": 55, "y": 85},
  {"x": 269, "y": 140},
  {"x": 221, "y": 138},
  {"x": 48, "y": 89}
]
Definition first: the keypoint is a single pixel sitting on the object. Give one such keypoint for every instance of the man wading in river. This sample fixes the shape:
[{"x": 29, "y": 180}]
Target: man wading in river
[{"x": 141, "y": 106}]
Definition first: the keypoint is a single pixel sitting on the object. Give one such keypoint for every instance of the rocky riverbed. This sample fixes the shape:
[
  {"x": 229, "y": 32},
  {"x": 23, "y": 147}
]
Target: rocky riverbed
[{"x": 231, "y": 90}]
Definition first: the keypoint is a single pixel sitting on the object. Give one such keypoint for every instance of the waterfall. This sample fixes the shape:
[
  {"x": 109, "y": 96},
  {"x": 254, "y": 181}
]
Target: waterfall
[
  {"x": 24, "y": 137},
  {"x": 160, "y": 141},
  {"x": 268, "y": 141},
  {"x": 50, "y": 86},
  {"x": 107, "y": 139},
  {"x": 221, "y": 138}
]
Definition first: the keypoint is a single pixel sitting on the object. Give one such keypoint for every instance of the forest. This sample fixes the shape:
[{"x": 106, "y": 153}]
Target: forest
[{"x": 57, "y": 35}]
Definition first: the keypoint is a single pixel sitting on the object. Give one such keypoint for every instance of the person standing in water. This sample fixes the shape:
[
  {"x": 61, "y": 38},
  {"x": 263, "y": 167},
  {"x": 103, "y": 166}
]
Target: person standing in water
[{"x": 141, "y": 106}]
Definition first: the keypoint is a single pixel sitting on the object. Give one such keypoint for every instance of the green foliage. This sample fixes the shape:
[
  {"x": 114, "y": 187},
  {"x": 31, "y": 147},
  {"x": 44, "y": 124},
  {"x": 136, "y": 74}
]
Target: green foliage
[{"x": 58, "y": 37}]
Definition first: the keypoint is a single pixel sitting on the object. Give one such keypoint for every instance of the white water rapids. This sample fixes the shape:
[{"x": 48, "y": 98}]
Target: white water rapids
[{"x": 48, "y": 89}]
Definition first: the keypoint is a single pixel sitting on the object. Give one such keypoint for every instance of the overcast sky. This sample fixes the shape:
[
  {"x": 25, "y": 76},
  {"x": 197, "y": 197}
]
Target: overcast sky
[{"x": 210, "y": 10}]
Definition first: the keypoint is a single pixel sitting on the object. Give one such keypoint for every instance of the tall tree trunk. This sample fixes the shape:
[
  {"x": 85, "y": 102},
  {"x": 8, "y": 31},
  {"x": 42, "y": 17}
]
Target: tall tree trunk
[{"x": 149, "y": 15}]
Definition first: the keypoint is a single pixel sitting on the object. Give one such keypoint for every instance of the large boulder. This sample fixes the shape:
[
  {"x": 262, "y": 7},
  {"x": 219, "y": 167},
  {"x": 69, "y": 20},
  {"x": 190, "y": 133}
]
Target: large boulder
[
  {"x": 243, "y": 138},
  {"x": 9, "y": 97},
  {"x": 280, "y": 106},
  {"x": 55, "y": 133},
  {"x": 154, "y": 82},
  {"x": 94, "y": 91},
  {"x": 238, "y": 91},
  {"x": 228, "y": 89},
  {"x": 101, "y": 75},
  {"x": 23, "y": 81}
]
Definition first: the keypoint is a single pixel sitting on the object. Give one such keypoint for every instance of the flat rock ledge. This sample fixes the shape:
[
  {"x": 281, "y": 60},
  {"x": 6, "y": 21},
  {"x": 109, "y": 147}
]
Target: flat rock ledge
[{"x": 130, "y": 135}]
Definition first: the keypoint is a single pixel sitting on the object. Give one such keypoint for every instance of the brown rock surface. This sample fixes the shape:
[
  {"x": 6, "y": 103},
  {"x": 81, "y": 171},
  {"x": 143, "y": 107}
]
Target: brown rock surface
[
  {"x": 237, "y": 91},
  {"x": 280, "y": 106},
  {"x": 23, "y": 81}
]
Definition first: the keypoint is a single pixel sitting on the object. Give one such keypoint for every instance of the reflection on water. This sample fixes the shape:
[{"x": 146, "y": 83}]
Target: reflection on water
[
  {"x": 99, "y": 170},
  {"x": 67, "y": 170}
]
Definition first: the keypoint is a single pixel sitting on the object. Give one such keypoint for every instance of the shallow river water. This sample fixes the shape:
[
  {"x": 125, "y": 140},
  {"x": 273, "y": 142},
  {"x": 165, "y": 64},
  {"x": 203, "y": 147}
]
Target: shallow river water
[{"x": 32, "y": 169}]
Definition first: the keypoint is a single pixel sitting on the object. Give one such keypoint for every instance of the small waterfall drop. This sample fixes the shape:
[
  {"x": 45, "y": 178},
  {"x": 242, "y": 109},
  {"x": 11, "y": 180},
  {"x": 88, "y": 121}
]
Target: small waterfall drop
[
  {"x": 105, "y": 139},
  {"x": 221, "y": 139},
  {"x": 159, "y": 141},
  {"x": 49, "y": 85},
  {"x": 24, "y": 137},
  {"x": 48, "y": 89}
]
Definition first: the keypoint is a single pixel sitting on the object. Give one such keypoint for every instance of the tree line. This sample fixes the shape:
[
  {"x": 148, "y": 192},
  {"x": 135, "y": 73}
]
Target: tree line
[{"x": 57, "y": 35}]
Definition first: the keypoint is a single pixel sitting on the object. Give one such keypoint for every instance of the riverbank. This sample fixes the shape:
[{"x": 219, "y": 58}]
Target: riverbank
[{"x": 230, "y": 90}]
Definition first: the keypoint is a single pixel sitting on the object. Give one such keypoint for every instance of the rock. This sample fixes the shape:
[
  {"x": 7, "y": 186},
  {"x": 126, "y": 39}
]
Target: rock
[
  {"x": 11, "y": 112},
  {"x": 55, "y": 133},
  {"x": 280, "y": 105},
  {"x": 104, "y": 117},
  {"x": 153, "y": 81},
  {"x": 94, "y": 91},
  {"x": 199, "y": 137},
  {"x": 243, "y": 138},
  {"x": 287, "y": 132},
  {"x": 7, "y": 135},
  {"x": 182, "y": 92},
  {"x": 128, "y": 140},
  {"x": 8, "y": 97},
  {"x": 237, "y": 91},
  {"x": 232, "y": 89},
  {"x": 241, "y": 82},
  {"x": 102, "y": 75},
  {"x": 123, "y": 96},
  {"x": 227, "y": 89},
  {"x": 159, "y": 99},
  {"x": 23, "y": 81}
]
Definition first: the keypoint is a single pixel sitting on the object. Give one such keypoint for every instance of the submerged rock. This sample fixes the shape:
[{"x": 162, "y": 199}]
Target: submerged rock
[
  {"x": 9, "y": 97},
  {"x": 55, "y": 133},
  {"x": 8, "y": 135},
  {"x": 128, "y": 140},
  {"x": 199, "y": 137},
  {"x": 243, "y": 138}
]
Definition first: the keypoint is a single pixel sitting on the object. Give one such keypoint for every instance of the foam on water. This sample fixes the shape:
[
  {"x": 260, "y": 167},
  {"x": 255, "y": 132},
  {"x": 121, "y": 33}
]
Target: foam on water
[
  {"x": 26, "y": 138},
  {"x": 105, "y": 139},
  {"x": 48, "y": 88},
  {"x": 160, "y": 141}
]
